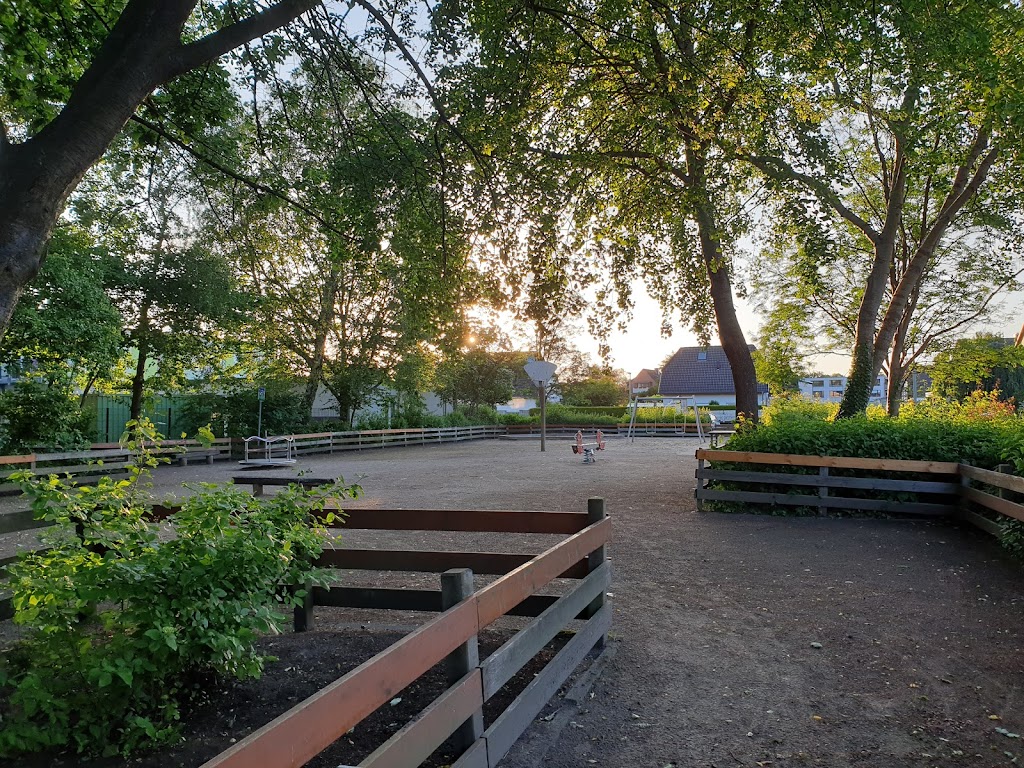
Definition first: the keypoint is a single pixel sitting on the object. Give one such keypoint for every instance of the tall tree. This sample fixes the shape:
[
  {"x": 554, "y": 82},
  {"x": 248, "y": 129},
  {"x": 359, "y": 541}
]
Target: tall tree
[
  {"x": 381, "y": 268},
  {"x": 605, "y": 122},
  {"x": 64, "y": 104},
  {"x": 902, "y": 123}
]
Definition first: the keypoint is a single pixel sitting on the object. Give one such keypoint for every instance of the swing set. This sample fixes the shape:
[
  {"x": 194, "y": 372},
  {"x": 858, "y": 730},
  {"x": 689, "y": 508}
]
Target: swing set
[{"x": 686, "y": 401}]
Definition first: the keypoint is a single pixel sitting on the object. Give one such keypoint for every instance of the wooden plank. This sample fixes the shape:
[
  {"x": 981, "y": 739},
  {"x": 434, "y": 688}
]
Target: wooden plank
[
  {"x": 830, "y": 481},
  {"x": 500, "y": 666},
  {"x": 511, "y": 723},
  {"x": 416, "y": 741},
  {"x": 808, "y": 500},
  {"x": 505, "y": 593},
  {"x": 836, "y": 462},
  {"x": 27, "y": 458},
  {"x": 378, "y": 597},
  {"x": 432, "y": 562},
  {"x": 11, "y": 522},
  {"x": 84, "y": 455},
  {"x": 988, "y": 526},
  {"x": 1002, "y": 506},
  {"x": 427, "y": 600},
  {"x": 998, "y": 479},
  {"x": 460, "y": 520},
  {"x": 295, "y": 737},
  {"x": 474, "y": 757}
]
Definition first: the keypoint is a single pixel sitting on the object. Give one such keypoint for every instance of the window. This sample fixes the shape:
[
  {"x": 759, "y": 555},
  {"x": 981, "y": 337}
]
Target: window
[
  {"x": 702, "y": 355},
  {"x": 837, "y": 394},
  {"x": 835, "y": 383},
  {"x": 818, "y": 394}
]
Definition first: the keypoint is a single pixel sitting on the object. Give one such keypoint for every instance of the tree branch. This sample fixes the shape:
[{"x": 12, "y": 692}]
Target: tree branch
[
  {"x": 780, "y": 170},
  {"x": 251, "y": 183},
  {"x": 218, "y": 43}
]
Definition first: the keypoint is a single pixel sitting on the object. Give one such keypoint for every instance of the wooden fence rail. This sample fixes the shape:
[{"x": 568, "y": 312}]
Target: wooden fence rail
[{"x": 948, "y": 491}]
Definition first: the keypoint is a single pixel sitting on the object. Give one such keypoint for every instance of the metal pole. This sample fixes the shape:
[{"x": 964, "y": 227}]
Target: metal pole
[
  {"x": 259, "y": 420},
  {"x": 543, "y": 415}
]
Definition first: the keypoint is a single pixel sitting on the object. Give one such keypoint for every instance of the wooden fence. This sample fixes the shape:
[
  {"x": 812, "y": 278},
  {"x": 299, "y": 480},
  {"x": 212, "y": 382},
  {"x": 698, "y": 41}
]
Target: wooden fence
[
  {"x": 822, "y": 483},
  {"x": 102, "y": 459},
  {"x": 312, "y": 725}
]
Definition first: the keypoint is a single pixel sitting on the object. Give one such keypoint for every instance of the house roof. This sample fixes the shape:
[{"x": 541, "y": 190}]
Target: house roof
[
  {"x": 646, "y": 374},
  {"x": 687, "y": 374}
]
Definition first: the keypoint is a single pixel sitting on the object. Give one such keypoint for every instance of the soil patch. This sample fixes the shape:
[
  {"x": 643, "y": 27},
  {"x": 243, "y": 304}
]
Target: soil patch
[{"x": 307, "y": 662}]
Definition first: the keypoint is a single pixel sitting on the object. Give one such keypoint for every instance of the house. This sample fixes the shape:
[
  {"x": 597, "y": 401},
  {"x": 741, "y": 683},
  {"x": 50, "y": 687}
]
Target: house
[
  {"x": 703, "y": 373},
  {"x": 830, "y": 389},
  {"x": 645, "y": 381}
]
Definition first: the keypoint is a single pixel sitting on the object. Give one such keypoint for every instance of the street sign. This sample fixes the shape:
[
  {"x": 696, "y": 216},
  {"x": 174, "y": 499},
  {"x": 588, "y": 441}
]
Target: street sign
[
  {"x": 539, "y": 371},
  {"x": 262, "y": 394}
]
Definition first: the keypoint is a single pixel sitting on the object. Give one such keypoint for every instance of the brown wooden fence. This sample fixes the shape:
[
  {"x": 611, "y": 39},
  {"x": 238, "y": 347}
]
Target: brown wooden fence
[
  {"x": 930, "y": 488},
  {"x": 305, "y": 730}
]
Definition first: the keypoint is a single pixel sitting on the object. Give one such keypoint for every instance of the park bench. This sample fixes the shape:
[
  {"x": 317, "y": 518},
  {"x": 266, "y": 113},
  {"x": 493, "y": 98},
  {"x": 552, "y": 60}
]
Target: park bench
[
  {"x": 196, "y": 455},
  {"x": 589, "y": 450},
  {"x": 258, "y": 481}
]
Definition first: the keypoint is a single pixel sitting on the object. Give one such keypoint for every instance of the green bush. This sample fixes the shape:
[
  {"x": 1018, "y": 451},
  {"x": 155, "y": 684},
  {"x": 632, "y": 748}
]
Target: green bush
[
  {"x": 975, "y": 443},
  {"x": 122, "y": 623},
  {"x": 237, "y": 414},
  {"x": 34, "y": 417},
  {"x": 563, "y": 414}
]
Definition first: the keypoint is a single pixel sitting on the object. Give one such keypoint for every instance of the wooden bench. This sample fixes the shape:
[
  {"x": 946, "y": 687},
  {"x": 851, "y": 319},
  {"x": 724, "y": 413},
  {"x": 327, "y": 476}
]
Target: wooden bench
[
  {"x": 207, "y": 455},
  {"x": 258, "y": 481}
]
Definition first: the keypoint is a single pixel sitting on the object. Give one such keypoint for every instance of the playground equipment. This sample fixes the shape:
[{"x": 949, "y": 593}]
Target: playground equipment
[
  {"x": 269, "y": 451},
  {"x": 589, "y": 450},
  {"x": 687, "y": 401}
]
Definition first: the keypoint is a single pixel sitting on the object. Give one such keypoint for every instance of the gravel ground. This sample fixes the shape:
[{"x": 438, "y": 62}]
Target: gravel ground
[{"x": 740, "y": 639}]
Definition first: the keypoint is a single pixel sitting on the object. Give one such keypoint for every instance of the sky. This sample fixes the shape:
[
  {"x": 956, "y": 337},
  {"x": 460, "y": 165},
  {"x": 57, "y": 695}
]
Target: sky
[{"x": 641, "y": 345}]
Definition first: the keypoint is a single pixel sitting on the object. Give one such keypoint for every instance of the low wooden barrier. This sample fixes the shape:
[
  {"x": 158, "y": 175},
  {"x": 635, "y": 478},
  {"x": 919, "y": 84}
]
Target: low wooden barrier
[
  {"x": 312, "y": 725},
  {"x": 102, "y": 459},
  {"x": 949, "y": 489}
]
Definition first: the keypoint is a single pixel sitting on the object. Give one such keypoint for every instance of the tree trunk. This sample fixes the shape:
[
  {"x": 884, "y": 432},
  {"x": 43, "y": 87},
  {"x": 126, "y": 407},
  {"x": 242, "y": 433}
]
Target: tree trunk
[
  {"x": 730, "y": 333},
  {"x": 139, "y": 379},
  {"x": 325, "y": 320}
]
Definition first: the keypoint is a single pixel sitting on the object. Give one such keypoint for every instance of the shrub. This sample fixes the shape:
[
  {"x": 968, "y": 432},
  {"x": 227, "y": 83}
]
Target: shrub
[
  {"x": 122, "y": 622},
  {"x": 563, "y": 414},
  {"x": 237, "y": 414},
  {"x": 34, "y": 417}
]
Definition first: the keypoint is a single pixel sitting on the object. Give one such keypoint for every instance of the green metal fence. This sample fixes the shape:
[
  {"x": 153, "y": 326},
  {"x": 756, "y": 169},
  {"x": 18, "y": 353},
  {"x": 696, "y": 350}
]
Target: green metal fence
[{"x": 113, "y": 412}]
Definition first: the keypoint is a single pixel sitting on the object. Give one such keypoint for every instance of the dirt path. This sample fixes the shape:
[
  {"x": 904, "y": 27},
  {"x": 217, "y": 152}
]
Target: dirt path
[{"x": 719, "y": 618}]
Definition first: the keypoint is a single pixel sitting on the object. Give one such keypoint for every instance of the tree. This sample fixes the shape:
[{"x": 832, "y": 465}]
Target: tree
[
  {"x": 66, "y": 331},
  {"x": 986, "y": 363},
  {"x": 603, "y": 124},
  {"x": 598, "y": 386},
  {"x": 812, "y": 303},
  {"x": 346, "y": 295},
  {"x": 903, "y": 125},
  {"x": 127, "y": 53}
]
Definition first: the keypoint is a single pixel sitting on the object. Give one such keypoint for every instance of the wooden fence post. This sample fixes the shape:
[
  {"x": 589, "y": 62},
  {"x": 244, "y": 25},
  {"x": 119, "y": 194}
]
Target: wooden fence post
[
  {"x": 1006, "y": 469},
  {"x": 700, "y": 485},
  {"x": 456, "y": 586},
  {"x": 822, "y": 489},
  {"x": 596, "y": 513},
  {"x": 302, "y": 615}
]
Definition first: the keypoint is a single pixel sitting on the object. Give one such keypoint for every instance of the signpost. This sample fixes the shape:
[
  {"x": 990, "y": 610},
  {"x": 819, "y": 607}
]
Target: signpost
[{"x": 540, "y": 373}]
